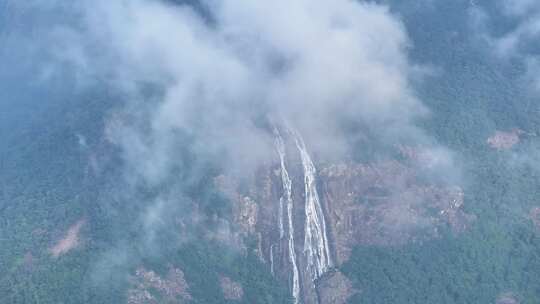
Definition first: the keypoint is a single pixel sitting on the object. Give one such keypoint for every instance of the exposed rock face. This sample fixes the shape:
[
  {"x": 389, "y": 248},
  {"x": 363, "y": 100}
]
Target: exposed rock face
[
  {"x": 385, "y": 204},
  {"x": 70, "y": 240},
  {"x": 173, "y": 288},
  {"x": 335, "y": 288},
  {"x": 140, "y": 296},
  {"x": 535, "y": 217},
  {"x": 245, "y": 210},
  {"x": 504, "y": 140},
  {"x": 507, "y": 298},
  {"x": 231, "y": 290}
]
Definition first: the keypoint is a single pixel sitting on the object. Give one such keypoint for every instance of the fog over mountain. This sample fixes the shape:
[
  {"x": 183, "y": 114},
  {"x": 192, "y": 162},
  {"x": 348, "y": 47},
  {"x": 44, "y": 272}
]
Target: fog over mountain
[
  {"x": 226, "y": 68},
  {"x": 225, "y": 151}
]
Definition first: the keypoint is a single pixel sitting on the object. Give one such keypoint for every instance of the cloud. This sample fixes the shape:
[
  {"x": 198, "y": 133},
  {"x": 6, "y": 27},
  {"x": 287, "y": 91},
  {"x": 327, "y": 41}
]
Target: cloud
[
  {"x": 206, "y": 83},
  {"x": 518, "y": 7},
  {"x": 520, "y": 42},
  {"x": 317, "y": 65},
  {"x": 195, "y": 88},
  {"x": 510, "y": 30},
  {"x": 199, "y": 87}
]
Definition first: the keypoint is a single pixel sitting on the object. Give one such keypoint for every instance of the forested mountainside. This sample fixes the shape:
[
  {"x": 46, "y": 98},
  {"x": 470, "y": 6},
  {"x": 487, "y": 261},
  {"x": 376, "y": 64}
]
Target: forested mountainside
[{"x": 286, "y": 152}]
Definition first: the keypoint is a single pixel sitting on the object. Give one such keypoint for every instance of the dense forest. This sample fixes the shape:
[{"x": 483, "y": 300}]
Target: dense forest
[{"x": 47, "y": 183}]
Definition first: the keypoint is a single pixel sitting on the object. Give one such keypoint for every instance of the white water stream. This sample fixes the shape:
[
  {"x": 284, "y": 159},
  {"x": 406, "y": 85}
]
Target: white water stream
[
  {"x": 316, "y": 248},
  {"x": 315, "y": 242},
  {"x": 287, "y": 196}
]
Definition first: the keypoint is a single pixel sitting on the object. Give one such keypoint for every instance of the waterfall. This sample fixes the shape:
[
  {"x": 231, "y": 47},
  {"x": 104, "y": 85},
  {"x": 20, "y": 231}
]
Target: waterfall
[
  {"x": 287, "y": 196},
  {"x": 280, "y": 218},
  {"x": 315, "y": 239},
  {"x": 272, "y": 259}
]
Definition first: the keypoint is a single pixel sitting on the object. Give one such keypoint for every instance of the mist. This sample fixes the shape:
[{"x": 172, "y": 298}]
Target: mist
[
  {"x": 192, "y": 91},
  {"x": 316, "y": 65}
]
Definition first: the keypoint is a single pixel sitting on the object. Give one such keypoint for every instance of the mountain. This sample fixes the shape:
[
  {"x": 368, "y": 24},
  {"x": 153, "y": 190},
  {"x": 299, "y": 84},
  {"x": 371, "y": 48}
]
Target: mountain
[{"x": 316, "y": 152}]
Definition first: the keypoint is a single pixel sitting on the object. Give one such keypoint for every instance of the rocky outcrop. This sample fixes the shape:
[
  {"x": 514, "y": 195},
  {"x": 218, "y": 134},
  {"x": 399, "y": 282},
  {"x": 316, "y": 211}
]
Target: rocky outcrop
[
  {"x": 172, "y": 289},
  {"x": 386, "y": 204},
  {"x": 69, "y": 241},
  {"x": 534, "y": 215},
  {"x": 245, "y": 210},
  {"x": 507, "y": 298},
  {"x": 231, "y": 290},
  {"x": 502, "y": 140}
]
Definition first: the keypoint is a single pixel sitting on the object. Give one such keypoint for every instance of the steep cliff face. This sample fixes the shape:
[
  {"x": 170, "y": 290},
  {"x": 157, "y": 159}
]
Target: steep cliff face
[
  {"x": 281, "y": 207},
  {"x": 307, "y": 220},
  {"x": 386, "y": 204}
]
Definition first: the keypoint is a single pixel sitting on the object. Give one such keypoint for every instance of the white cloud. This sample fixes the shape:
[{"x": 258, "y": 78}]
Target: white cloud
[
  {"x": 317, "y": 64},
  {"x": 513, "y": 43},
  {"x": 518, "y": 7},
  {"x": 313, "y": 62}
]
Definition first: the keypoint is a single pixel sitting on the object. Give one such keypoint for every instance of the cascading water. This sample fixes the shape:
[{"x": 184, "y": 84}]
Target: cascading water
[
  {"x": 272, "y": 259},
  {"x": 287, "y": 196},
  {"x": 280, "y": 218},
  {"x": 315, "y": 241},
  {"x": 316, "y": 249}
]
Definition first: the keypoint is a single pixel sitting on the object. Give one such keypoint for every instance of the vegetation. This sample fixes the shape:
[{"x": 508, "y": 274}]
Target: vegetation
[
  {"x": 46, "y": 186},
  {"x": 474, "y": 96}
]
